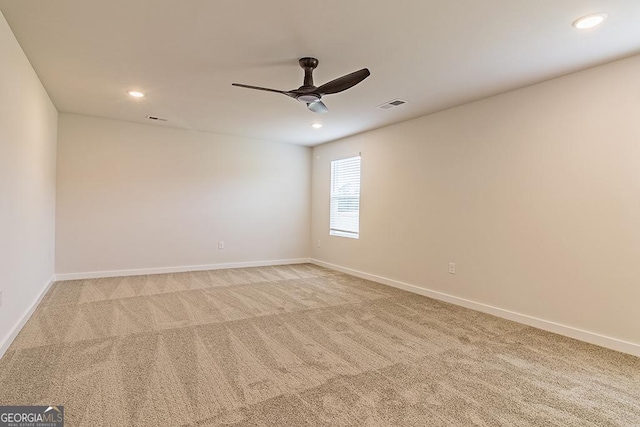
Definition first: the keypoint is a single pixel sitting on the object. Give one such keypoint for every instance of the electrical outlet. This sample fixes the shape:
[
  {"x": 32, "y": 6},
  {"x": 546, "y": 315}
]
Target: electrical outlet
[
  {"x": 221, "y": 245},
  {"x": 452, "y": 268},
  {"x": 319, "y": 243}
]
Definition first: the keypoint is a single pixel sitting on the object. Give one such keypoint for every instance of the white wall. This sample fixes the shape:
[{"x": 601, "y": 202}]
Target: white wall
[
  {"x": 133, "y": 196},
  {"x": 28, "y": 123},
  {"x": 535, "y": 194}
]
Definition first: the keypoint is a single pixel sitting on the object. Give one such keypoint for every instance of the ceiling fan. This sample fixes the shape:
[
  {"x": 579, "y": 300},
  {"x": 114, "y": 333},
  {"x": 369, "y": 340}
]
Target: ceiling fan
[{"x": 310, "y": 94}]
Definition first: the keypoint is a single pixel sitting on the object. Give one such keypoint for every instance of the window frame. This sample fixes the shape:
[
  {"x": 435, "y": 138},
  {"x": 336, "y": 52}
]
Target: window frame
[{"x": 333, "y": 198}]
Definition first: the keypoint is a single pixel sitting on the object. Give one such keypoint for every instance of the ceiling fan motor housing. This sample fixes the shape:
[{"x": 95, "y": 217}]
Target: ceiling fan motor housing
[{"x": 308, "y": 98}]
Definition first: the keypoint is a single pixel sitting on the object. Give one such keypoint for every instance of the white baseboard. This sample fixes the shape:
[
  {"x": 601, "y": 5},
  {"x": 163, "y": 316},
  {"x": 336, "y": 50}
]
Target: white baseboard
[
  {"x": 183, "y": 269},
  {"x": 569, "y": 331},
  {"x": 13, "y": 333}
]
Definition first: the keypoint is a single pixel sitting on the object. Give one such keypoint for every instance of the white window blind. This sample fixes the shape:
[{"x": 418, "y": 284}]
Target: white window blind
[{"x": 344, "y": 218}]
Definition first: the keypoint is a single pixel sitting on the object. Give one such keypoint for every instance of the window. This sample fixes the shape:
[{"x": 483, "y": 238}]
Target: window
[{"x": 344, "y": 217}]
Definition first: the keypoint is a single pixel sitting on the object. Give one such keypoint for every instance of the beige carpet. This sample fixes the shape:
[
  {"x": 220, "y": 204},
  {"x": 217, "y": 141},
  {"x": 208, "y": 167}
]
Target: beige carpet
[{"x": 300, "y": 345}]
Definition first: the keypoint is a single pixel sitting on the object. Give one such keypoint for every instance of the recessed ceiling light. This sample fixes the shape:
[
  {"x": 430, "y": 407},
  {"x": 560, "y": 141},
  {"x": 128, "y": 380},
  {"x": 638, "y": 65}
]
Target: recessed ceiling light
[
  {"x": 135, "y": 93},
  {"x": 590, "y": 21},
  {"x": 316, "y": 125}
]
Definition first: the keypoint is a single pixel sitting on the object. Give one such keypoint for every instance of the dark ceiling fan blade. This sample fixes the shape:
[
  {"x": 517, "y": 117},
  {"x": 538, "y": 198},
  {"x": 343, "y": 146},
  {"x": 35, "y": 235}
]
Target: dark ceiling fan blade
[
  {"x": 343, "y": 83},
  {"x": 318, "y": 107},
  {"x": 259, "y": 88}
]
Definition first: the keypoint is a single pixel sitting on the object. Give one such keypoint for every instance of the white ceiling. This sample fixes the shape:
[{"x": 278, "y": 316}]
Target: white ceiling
[{"x": 185, "y": 55}]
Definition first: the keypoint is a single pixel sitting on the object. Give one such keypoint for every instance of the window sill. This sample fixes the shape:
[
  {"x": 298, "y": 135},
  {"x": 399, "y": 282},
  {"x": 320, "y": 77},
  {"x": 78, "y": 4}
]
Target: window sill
[{"x": 344, "y": 234}]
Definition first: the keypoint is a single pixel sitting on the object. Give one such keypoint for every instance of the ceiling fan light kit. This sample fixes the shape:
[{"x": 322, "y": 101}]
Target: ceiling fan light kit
[{"x": 311, "y": 95}]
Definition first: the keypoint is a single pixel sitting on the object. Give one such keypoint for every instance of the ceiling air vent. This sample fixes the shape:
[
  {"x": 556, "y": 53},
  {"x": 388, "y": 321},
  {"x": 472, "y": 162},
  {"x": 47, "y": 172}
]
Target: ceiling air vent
[
  {"x": 392, "y": 104},
  {"x": 157, "y": 119}
]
